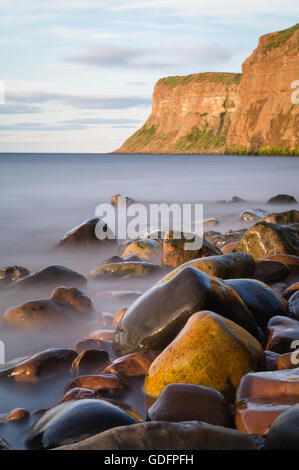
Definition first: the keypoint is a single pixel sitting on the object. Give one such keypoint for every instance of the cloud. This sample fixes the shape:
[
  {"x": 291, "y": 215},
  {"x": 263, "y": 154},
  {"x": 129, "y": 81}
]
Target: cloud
[
  {"x": 71, "y": 124},
  {"x": 16, "y": 108}
]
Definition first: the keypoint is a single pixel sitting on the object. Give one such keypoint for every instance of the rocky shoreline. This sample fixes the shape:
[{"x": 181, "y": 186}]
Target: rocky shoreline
[{"x": 202, "y": 356}]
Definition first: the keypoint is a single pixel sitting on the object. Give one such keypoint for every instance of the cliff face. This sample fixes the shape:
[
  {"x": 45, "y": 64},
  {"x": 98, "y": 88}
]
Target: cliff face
[{"x": 222, "y": 112}]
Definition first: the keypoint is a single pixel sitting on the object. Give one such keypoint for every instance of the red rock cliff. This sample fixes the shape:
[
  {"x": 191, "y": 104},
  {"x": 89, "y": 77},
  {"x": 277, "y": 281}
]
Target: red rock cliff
[{"x": 222, "y": 112}]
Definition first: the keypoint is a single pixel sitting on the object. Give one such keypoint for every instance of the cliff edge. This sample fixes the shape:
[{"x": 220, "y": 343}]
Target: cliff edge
[{"x": 221, "y": 113}]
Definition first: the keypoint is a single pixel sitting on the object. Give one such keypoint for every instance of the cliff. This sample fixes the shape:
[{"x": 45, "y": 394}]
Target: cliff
[{"x": 250, "y": 112}]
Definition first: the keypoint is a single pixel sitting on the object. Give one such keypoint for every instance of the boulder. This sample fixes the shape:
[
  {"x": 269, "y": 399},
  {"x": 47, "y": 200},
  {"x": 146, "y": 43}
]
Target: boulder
[
  {"x": 271, "y": 360},
  {"x": 236, "y": 199},
  {"x": 293, "y": 306},
  {"x": 188, "y": 402},
  {"x": 118, "y": 316},
  {"x": 85, "y": 235},
  {"x": 290, "y": 291},
  {"x": 119, "y": 199},
  {"x": 75, "y": 420},
  {"x": 91, "y": 344},
  {"x": 159, "y": 435},
  {"x": 211, "y": 351},
  {"x": 149, "y": 250},
  {"x": 233, "y": 265},
  {"x": 228, "y": 248},
  {"x": 44, "y": 365},
  {"x": 282, "y": 332},
  {"x": 11, "y": 274},
  {"x": 132, "y": 365},
  {"x": 211, "y": 222},
  {"x": 290, "y": 260},
  {"x": 264, "y": 239},
  {"x": 287, "y": 361},
  {"x": 154, "y": 319},
  {"x": 284, "y": 432},
  {"x": 89, "y": 361},
  {"x": 283, "y": 218},
  {"x": 262, "y": 397},
  {"x": 220, "y": 240},
  {"x": 64, "y": 304},
  {"x": 124, "y": 269},
  {"x": 16, "y": 415},
  {"x": 175, "y": 252},
  {"x": 105, "y": 384},
  {"x": 262, "y": 302},
  {"x": 253, "y": 215},
  {"x": 282, "y": 199},
  {"x": 267, "y": 270}
]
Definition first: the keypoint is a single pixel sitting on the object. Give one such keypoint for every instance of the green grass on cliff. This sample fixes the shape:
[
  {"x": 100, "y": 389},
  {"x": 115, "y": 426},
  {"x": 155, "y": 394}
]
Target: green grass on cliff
[
  {"x": 264, "y": 151},
  {"x": 279, "y": 39},
  {"x": 201, "y": 138},
  {"x": 141, "y": 138},
  {"x": 227, "y": 78}
]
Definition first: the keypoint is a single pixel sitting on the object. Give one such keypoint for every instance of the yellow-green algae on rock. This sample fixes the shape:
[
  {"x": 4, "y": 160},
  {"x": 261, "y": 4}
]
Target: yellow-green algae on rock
[
  {"x": 211, "y": 351},
  {"x": 150, "y": 250}
]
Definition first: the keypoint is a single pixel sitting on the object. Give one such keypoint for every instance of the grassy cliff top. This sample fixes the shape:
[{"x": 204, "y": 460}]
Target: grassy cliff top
[
  {"x": 227, "y": 78},
  {"x": 280, "y": 38}
]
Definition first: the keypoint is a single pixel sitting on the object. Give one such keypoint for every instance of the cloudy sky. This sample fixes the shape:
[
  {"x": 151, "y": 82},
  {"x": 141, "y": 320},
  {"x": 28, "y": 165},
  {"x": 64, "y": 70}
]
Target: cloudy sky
[{"x": 79, "y": 74}]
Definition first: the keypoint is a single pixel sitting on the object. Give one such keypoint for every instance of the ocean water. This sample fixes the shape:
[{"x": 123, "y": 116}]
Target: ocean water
[{"x": 42, "y": 196}]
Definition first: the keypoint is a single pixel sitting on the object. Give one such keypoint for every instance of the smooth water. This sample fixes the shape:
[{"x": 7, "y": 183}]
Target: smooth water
[{"x": 44, "y": 195}]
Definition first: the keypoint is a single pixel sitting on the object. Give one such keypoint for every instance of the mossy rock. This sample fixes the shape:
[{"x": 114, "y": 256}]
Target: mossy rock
[
  {"x": 283, "y": 218},
  {"x": 211, "y": 351},
  {"x": 265, "y": 239},
  {"x": 150, "y": 250},
  {"x": 125, "y": 269}
]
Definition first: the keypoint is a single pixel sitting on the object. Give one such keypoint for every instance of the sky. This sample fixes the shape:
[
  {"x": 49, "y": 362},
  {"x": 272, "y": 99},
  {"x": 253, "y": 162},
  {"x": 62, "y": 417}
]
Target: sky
[{"x": 78, "y": 75}]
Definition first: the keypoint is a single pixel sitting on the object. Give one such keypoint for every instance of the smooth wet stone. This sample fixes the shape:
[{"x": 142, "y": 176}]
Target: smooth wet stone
[
  {"x": 131, "y": 365},
  {"x": 253, "y": 215},
  {"x": 105, "y": 383},
  {"x": 265, "y": 239},
  {"x": 11, "y": 274},
  {"x": 124, "y": 270},
  {"x": 211, "y": 351},
  {"x": 50, "y": 277},
  {"x": 64, "y": 305},
  {"x": 291, "y": 261},
  {"x": 118, "y": 316},
  {"x": 228, "y": 248},
  {"x": 89, "y": 361},
  {"x": 188, "y": 402},
  {"x": 220, "y": 240},
  {"x": 293, "y": 305},
  {"x": 234, "y": 265},
  {"x": 154, "y": 319},
  {"x": 78, "y": 394},
  {"x": 284, "y": 433},
  {"x": 106, "y": 335},
  {"x": 211, "y": 222},
  {"x": 290, "y": 291},
  {"x": 175, "y": 252},
  {"x": 4, "y": 445},
  {"x": 288, "y": 361},
  {"x": 149, "y": 250},
  {"x": 282, "y": 199},
  {"x": 85, "y": 235},
  {"x": 270, "y": 270},
  {"x": 263, "y": 396},
  {"x": 91, "y": 344},
  {"x": 271, "y": 360},
  {"x": 44, "y": 365},
  {"x": 158, "y": 435},
  {"x": 118, "y": 199},
  {"x": 74, "y": 421},
  {"x": 283, "y": 218},
  {"x": 282, "y": 332},
  {"x": 16, "y": 415},
  {"x": 262, "y": 302},
  {"x": 236, "y": 199}
]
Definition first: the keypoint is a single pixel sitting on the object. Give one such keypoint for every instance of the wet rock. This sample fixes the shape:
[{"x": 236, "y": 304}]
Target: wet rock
[
  {"x": 220, "y": 240},
  {"x": 89, "y": 361},
  {"x": 290, "y": 260},
  {"x": 188, "y": 402},
  {"x": 154, "y": 319},
  {"x": 236, "y": 200},
  {"x": 211, "y": 222},
  {"x": 260, "y": 299},
  {"x": 106, "y": 335},
  {"x": 234, "y": 265},
  {"x": 157, "y": 435},
  {"x": 282, "y": 199},
  {"x": 18, "y": 414},
  {"x": 44, "y": 365},
  {"x": 284, "y": 432},
  {"x": 264, "y": 239},
  {"x": 283, "y": 218},
  {"x": 50, "y": 277},
  {"x": 253, "y": 215},
  {"x": 287, "y": 361},
  {"x": 271, "y": 360},
  {"x": 270, "y": 270},
  {"x": 211, "y": 351},
  {"x": 11, "y": 274},
  {"x": 120, "y": 199},
  {"x": 64, "y": 304},
  {"x": 118, "y": 316},
  {"x": 4, "y": 445},
  {"x": 229, "y": 248},
  {"x": 290, "y": 291},
  {"x": 293, "y": 306},
  {"x": 91, "y": 344},
  {"x": 85, "y": 235},
  {"x": 150, "y": 250},
  {"x": 175, "y": 252},
  {"x": 263, "y": 396},
  {"x": 282, "y": 332},
  {"x": 74, "y": 421},
  {"x": 105, "y": 384},
  {"x": 132, "y": 365},
  {"x": 78, "y": 394},
  {"x": 124, "y": 270}
]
